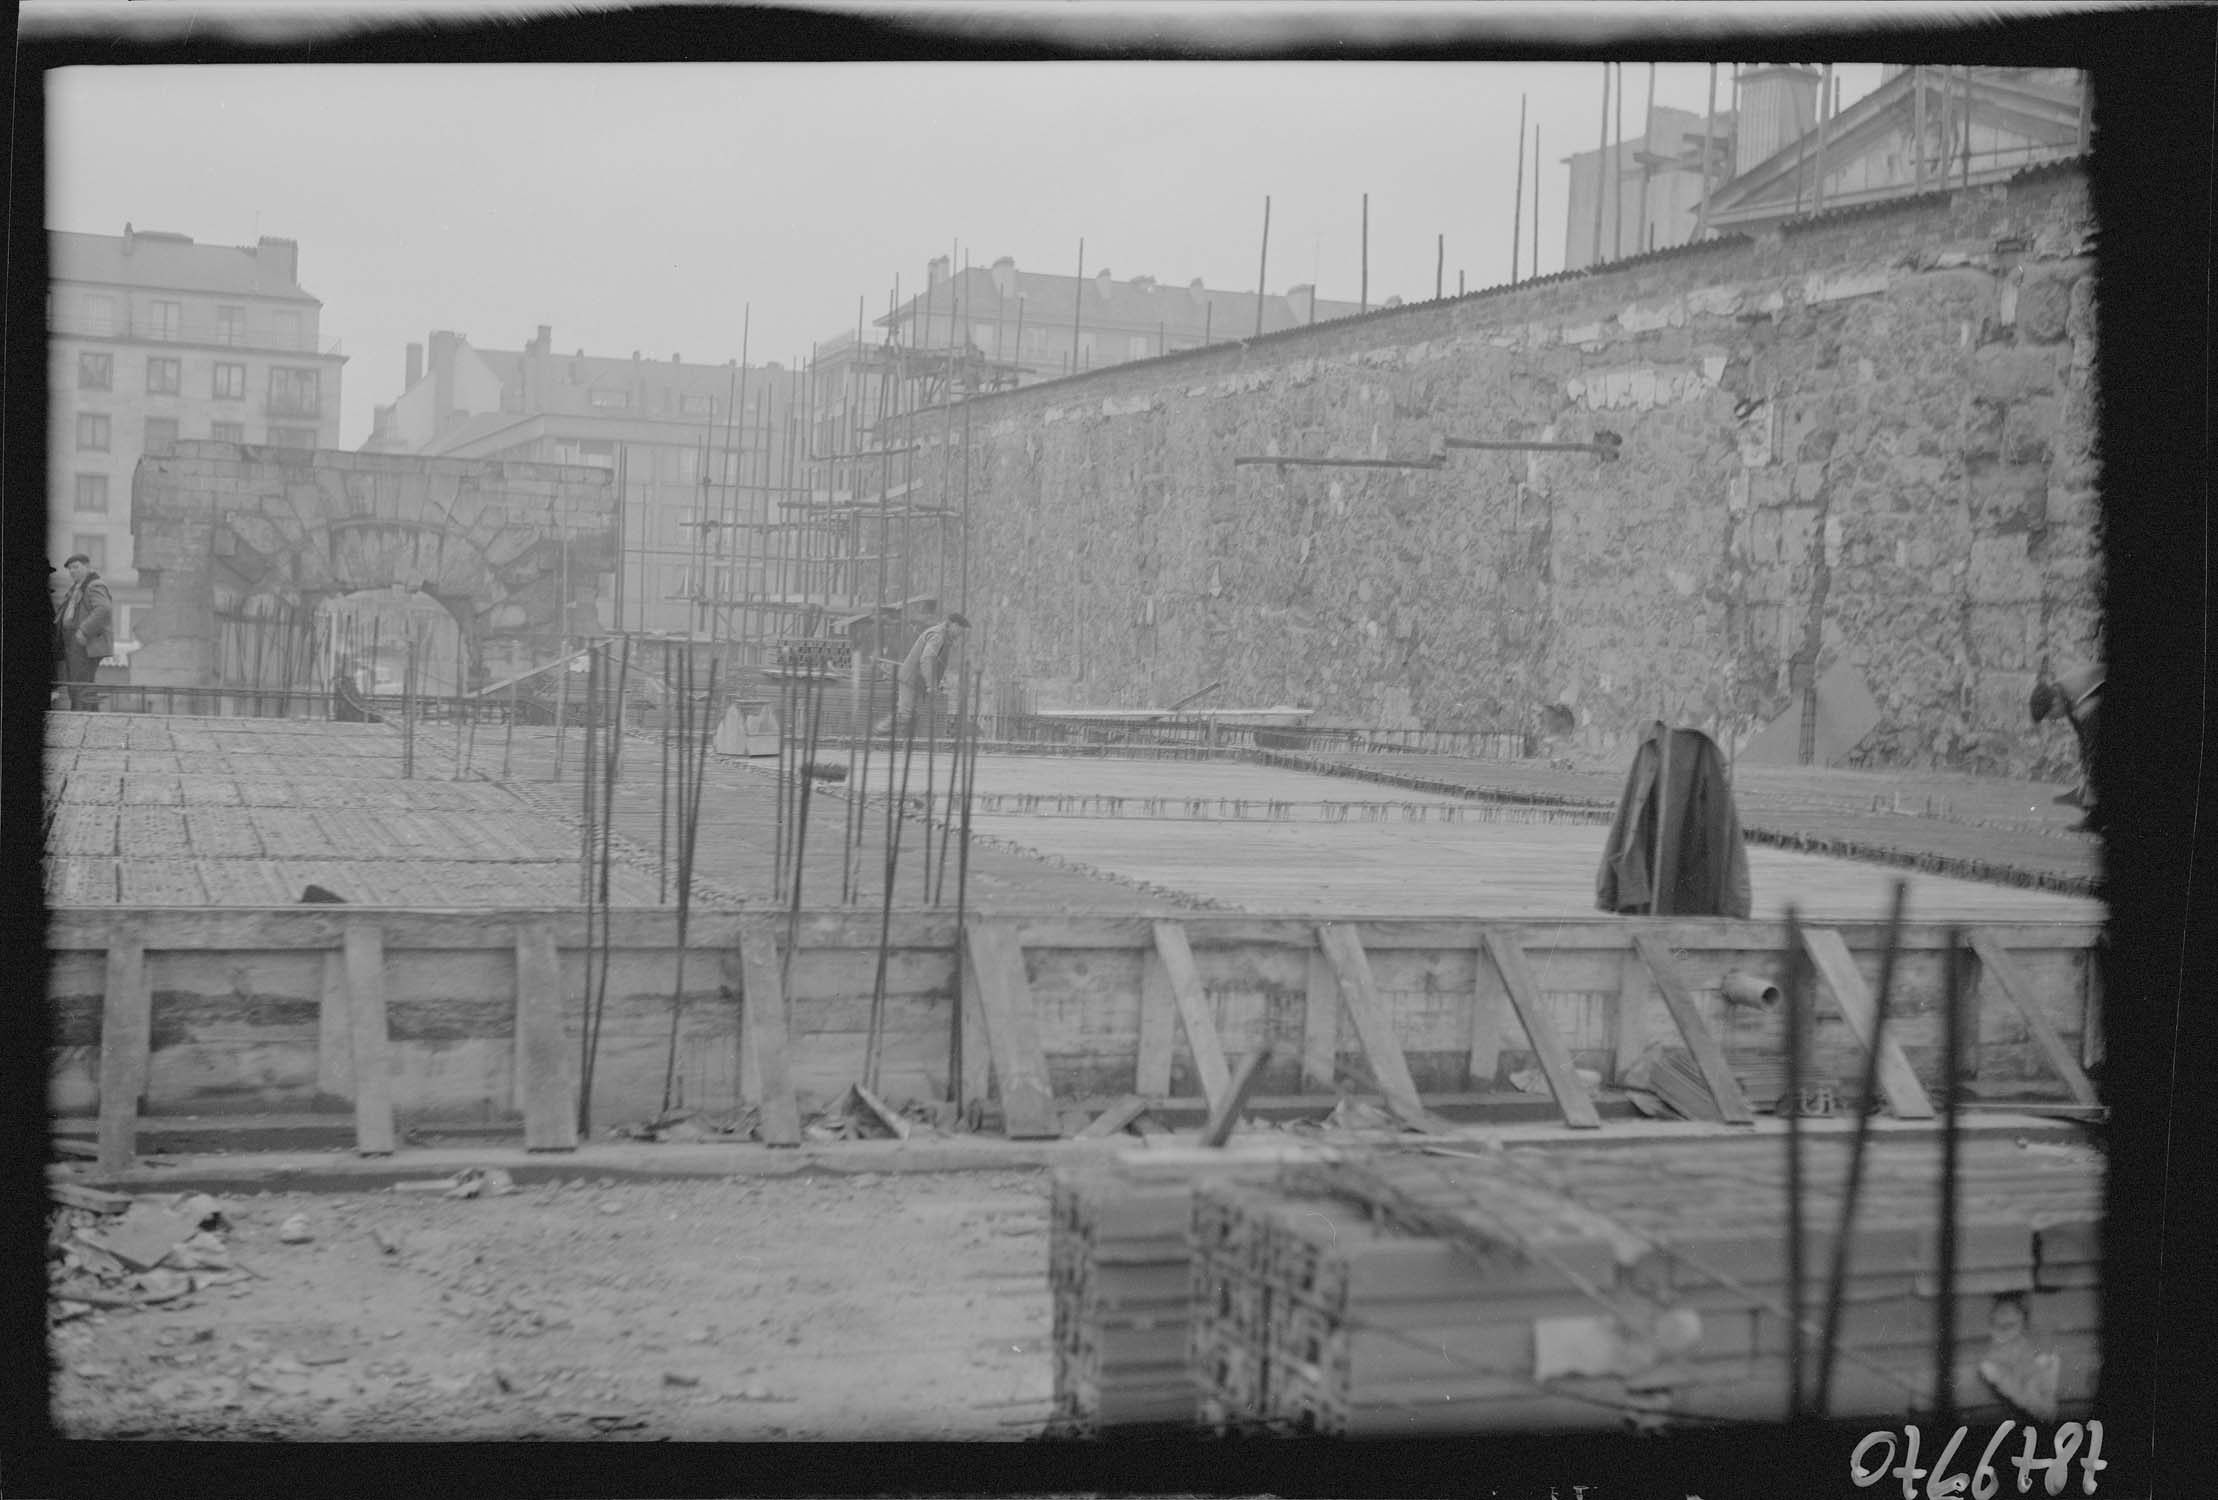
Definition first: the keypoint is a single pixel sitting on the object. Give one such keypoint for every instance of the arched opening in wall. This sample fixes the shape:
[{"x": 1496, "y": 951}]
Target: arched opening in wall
[{"x": 376, "y": 633}]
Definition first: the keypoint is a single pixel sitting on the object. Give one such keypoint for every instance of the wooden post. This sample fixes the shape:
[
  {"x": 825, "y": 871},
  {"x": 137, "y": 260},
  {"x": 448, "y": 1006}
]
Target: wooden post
[
  {"x": 1373, "y": 1026},
  {"x": 1628, "y": 1014},
  {"x": 373, "y": 1103},
  {"x": 763, "y": 1036},
  {"x": 1517, "y": 211},
  {"x": 1708, "y": 1055},
  {"x": 1364, "y": 290},
  {"x": 1487, "y": 1003},
  {"x": 1825, "y": 127},
  {"x": 126, "y": 1023},
  {"x": 335, "y": 1032},
  {"x": 547, "y": 1092},
  {"x": 1158, "y": 1028},
  {"x": 1997, "y": 968},
  {"x": 1830, "y": 956},
  {"x": 1320, "y": 1025},
  {"x": 1917, "y": 115},
  {"x": 1601, "y": 166},
  {"x": 1012, "y": 1029},
  {"x": 1709, "y": 133},
  {"x": 1548, "y": 1049},
  {"x": 1262, "y": 266},
  {"x": 1193, "y": 1011}
]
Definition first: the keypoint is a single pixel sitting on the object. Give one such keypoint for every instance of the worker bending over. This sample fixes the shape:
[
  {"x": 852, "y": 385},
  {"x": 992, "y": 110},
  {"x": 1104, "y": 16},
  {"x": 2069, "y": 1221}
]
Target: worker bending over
[
  {"x": 922, "y": 670},
  {"x": 2074, "y": 697}
]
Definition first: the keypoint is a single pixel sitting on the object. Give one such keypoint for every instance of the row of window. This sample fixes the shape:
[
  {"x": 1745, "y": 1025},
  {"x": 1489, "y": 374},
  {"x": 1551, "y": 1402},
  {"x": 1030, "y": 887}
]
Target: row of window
[
  {"x": 165, "y": 319},
  {"x": 96, "y": 431},
  {"x": 611, "y": 398},
  {"x": 293, "y": 392}
]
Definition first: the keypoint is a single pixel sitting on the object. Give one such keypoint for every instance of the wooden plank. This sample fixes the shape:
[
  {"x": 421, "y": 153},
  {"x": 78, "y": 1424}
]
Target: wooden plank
[
  {"x": 1904, "y": 1094},
  {"x": 1628, "y": 1015},
  {"x": 978, "y": 1072},
  {"x": 1012, "y": 1030},
  {"x": 373, "y": 1079},
  {"x": 1996, "y": 966},
  {"x": 750, "y": 1066},
  {"x": 126, "y": 1027},
  {"x": 1115, "y": 1118},
  {"x": 762, "y": 1019},
  {"x": 1226, "y": 1113},
  {"x": 1193, "y": 1012},
  {"x": 1555, "y": 1063},
  {"x": 1708, "y": 1055},
  {"x": 2090, "y": 1031},
  {"x": 334, "y": 1031},
  {"x": 1487, "y": 1004},
  {"x": 886, "y": 1116},
  {"x": 1158, "y": 1027},
  {"x": 1373, "y": 1026},
  {"x": 1320, "y": 1024},
  {"x": 547, "y": 1081}
]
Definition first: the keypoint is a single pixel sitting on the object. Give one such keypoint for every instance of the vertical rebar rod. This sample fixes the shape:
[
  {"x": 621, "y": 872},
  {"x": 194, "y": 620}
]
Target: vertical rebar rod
[
  {"x": 1617, "y": 172},
  {"x": 1536, "y": 198},
  {"x": 585, "y": 781},
  {"x": 814, "y": 699},
  {"x": 962, "y": 884},
  {"x": 1709, "y": 134},
  {"x": 1647, "y": 130},
  {"x": 1601, "y": 166},
  {"x": 892, "y": 870},
  {"x": 1797, "y": 989},
  {"x": 1952, "y": 1053},
  {"x": 931, "y": 711},
  {"x": 1825, "y": 135},
  {"x": 1262, "y": 269},
  {"x": 965, "y": 711},
  {"x": 1363, "y": 286},
  {"x": 1836, "y": 1284},
  {"x": 662, "y": 814},
  {"x": 1517, "y": 210},
  {"x": 1078, "y": 302}
]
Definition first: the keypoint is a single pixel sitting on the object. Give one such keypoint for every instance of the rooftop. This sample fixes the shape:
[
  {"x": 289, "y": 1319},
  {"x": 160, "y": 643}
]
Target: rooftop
[{"x": 148, "y": 258}]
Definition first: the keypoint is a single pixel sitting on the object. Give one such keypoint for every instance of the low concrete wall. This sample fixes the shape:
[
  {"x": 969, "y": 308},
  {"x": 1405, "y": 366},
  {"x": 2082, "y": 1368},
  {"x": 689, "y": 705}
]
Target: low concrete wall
[{"x": 240, "y": 998}]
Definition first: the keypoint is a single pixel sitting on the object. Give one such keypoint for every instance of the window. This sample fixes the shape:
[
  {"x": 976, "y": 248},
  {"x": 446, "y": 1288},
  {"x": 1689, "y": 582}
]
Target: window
[
  {"x": 166, "y": 319},
  {"x": 293, "y": 437},
  {"x": 96, "y": 372},
  {"x": 230, "y": 325},
  {"x": 599, "y": 455},
  {"x": 94, "y": 544},
  {"x": 295, "y": 393},
  {"x": 92, "y": 431},
  {"x": 685, "y": 465},
  {"x": 609, "y": 398},
  {"x": 92, "y": 494},
  {"x": 161, "y": 433},
  {"x": 164, "y": 377},
  {"x": 288, "y": 330},
  {"x": 100, "y": 313},
  {"x": 230, "y": 383},
  {"x": 697, "y": 406},
  {"x": 227, "y": 432}
]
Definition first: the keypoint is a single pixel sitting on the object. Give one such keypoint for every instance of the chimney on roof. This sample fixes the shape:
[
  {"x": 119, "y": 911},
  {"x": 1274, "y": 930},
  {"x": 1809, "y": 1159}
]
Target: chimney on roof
[
  {"x": 442, "y": 377},
  {"x": 935, "y": 271},
  {"x": 1302, "y": 302},
  {"x": 1195, "y": 291},
  {"x": 1005, "y": 276},
  {"x": 415, "y": 366},
  {"x": 544, "y": 343},
  {"x": 677, "y": 359},
  {"x": 1103, "y": 282},
  {"x": 282, "y": 257},
  {"x": 1143, "y": 283},
  {"x": 130, "y": 237}
]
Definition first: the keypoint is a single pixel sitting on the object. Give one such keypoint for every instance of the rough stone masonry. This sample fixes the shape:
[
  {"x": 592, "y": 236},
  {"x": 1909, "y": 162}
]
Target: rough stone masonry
[{"x": 1866, "y": 439}]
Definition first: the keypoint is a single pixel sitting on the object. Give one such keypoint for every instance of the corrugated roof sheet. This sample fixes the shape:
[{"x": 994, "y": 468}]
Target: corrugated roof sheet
[{"x": 160, "y": 260}]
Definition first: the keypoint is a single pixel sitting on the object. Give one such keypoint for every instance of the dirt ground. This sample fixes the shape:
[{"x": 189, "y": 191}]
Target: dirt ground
[{"x": 813, "y": 1306}]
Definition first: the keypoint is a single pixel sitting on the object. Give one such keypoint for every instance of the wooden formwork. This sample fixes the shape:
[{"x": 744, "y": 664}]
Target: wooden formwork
[{"x": 478, "y": 1014}]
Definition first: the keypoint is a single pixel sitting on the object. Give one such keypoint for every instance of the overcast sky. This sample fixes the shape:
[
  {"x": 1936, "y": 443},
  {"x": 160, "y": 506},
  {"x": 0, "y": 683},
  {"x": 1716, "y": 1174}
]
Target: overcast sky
[{"x": 648, "y": 206}]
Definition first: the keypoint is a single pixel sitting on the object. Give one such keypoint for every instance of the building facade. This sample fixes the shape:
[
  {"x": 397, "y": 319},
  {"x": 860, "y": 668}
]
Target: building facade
[
  {"x": 1658, "y": 180},
  {"x": 154, "y": 338},
  {"x": 702, "y": 454}
]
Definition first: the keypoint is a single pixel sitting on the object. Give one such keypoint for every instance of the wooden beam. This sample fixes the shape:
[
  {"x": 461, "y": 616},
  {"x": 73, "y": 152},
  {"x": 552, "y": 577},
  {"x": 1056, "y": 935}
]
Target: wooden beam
[
  {"x": 978, "y": 1079},
  {"x": 1708, "y": 1055},
  {"x": 1158, "y": 1028},
  {"x": 335, "y": 1033},
  {"x": 1996, "y": 966},
  {"x": 1628, "y": 1015},
  {"x": 126, "y": 1028},
  {"x": 546, "y": 1082},
  {"x": 1373, "y": 1027},
  {"x": 1904, "y": 1094},
  {"x": 762, "y": 1019},
  {"x": 1555, "y": 1062},
  {"x": 1012, "y": 1030},
  {"x": 1193, "y": 1011},
  {"x": 1115, "y": 1118},
  {"x": 1320, "y": 1025},
  {"x": 373, "y": 1075},
  {"x": 1488, "y": 1001},
  {"x": 1225, "y": 1114}
]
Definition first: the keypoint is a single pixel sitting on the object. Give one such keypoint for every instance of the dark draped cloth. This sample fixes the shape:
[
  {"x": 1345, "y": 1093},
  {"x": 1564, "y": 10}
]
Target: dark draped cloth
[{"x": 1704, "y": 862}]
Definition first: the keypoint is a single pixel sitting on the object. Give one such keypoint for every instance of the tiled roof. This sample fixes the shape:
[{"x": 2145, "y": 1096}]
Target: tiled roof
[{"x": 172, "y": 263}]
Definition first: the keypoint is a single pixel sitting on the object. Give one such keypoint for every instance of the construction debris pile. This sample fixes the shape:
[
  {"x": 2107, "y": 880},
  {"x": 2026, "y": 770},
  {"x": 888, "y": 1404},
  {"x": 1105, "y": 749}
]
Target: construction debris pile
[
  {"x": 1430, "y": 1290},
  {"x": 111, "y": 1250}
]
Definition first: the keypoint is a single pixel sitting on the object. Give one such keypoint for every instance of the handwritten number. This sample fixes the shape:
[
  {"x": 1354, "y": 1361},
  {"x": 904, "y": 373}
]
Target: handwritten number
[
  {"x": 1985, "y": 1481},
  {"x": 2094, "y": 1461},
  {"x": 1910, "y": 1473},
  {"x": 2068, "y": 1439},
  {"x": 1941, "y": 1487},
  {"x": 1865, "y": 1478},
  {"x": 2027, "y": 1463}
]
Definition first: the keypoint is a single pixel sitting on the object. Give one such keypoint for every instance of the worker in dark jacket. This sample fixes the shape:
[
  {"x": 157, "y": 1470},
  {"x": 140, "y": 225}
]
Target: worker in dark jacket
[
  {"x": 2074, "y": 697},
  {"x": 82, "y": 628},
  {"x": 1703, "y": 862},
  {"x": 930, "y": 655}
]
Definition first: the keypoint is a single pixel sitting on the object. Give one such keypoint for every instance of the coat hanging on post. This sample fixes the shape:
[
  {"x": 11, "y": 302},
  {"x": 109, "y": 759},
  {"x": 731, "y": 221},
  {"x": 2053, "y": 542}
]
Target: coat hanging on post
[{"x": 1704, "y": 862}]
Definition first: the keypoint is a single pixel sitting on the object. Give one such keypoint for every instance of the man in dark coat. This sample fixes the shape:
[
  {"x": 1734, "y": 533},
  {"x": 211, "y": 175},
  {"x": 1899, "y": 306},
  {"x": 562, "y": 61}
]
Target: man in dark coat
[
  {"x": 2074, "y": 697},
  {"x": 1704, "y": 863},
  {"x": 82, "y": 628}
]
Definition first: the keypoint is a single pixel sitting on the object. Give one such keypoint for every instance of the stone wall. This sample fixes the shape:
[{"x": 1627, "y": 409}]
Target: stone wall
[
  {"x": 264, "y": 532},
  {"x": 1869, "y": 438}
]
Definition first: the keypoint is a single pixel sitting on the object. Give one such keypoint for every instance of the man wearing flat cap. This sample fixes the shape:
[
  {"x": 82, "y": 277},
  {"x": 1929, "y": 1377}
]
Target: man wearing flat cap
[{"x": 82, "y": 630}]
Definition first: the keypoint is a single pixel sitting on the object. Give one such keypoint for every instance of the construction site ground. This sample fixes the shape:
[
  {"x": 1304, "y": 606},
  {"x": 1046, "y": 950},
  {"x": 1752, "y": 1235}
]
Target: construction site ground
[{"x": 864, "y": 1290}]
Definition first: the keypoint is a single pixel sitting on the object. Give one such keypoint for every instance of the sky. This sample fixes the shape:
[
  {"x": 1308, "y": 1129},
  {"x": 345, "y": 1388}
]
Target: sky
[{"x": 667, "y": 208}]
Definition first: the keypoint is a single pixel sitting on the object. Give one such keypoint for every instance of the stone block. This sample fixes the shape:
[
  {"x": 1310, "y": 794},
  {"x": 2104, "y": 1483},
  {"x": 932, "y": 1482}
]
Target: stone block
[
  {"x": 1809, "y": 481},
  {"x": 2044, "y": 307},
  {"x": 1714, "y": 301},
  {"x": 1986, "y": 419},
  {"x": 2067, "y": 503},
  {"x": 1798, "y": 529},
  {"x": 1999, "y": 572},
  {"x": 2008, "y": 373},
  {"x": 2011, "y": 496},
  {"x": 2006, "y": 637},
  {"x": 1999, "y": 700}
]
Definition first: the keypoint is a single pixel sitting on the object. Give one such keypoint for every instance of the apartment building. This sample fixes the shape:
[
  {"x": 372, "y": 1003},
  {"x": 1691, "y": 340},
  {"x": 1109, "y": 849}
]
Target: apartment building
[
  {"x": 151, "y": 338},
  {"x": 701, "y": 452}
]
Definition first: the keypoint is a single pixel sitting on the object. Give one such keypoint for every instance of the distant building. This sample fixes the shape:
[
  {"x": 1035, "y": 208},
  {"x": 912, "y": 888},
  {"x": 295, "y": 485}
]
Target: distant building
[
  {"x": 1975, "y": 124},
  {"x": 153, "y": 338},
  {"x": 667, "y": 431},
  {"x": 1658, "y": 176}
]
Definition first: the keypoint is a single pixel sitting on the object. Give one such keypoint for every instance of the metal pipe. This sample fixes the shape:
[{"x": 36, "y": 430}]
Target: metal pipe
[
  {"x": 1342, "y": 463},
  {"x": 1364, "y": 287},
  {"x": 1836, "y": 1285},
  {"x": 1601, "y": 166},
  {"x": 1262, "y": 265},
  {"x": 1709, "y": 134},
  {"x": 1536, "y": 202},
  {"x": 1517, "y": 211},
  {"x": 1952, "y": 1053}
]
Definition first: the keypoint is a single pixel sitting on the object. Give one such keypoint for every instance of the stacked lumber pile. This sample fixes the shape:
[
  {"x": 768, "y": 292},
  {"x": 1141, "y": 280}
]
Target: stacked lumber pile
[{"x": 1415, "y": 1293}]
